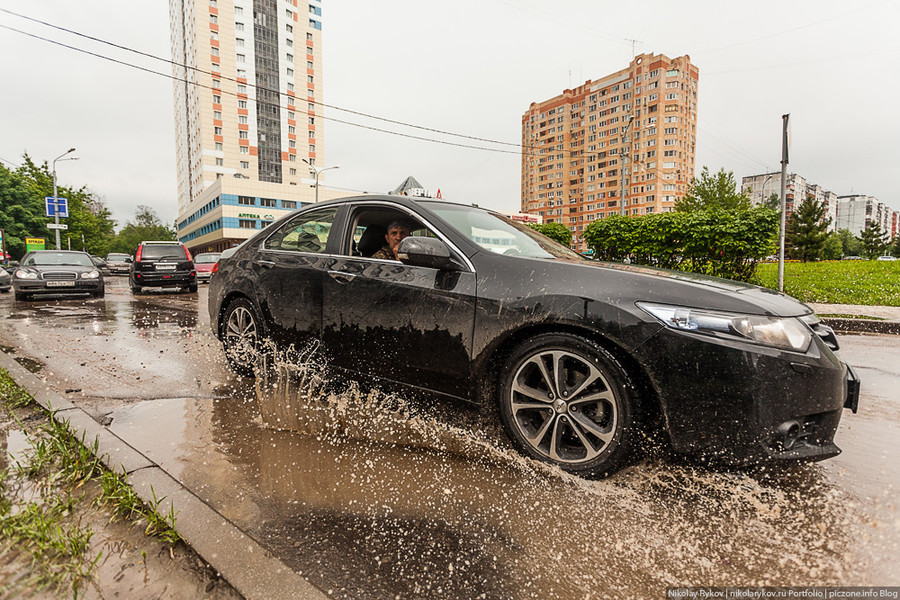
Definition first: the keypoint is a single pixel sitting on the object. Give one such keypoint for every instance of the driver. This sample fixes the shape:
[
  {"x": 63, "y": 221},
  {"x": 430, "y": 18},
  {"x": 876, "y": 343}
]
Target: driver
[{"x": 396, "y": 231}]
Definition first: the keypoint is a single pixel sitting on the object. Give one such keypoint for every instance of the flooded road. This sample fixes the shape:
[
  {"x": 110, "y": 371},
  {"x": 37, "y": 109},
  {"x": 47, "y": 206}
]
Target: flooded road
[{"x": 381, "y": 496}]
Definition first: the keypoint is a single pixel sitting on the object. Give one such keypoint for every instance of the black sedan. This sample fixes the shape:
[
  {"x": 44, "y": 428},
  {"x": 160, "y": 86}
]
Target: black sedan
[
  {"x": 585, "y": 360},
  {"x": 56, "y": 272}
]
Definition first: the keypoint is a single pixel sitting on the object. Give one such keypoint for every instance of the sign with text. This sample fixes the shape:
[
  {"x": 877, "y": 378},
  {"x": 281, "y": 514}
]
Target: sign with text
[
  {"x": 34, "y": 244},
  {"x": 57, "y": 207}
]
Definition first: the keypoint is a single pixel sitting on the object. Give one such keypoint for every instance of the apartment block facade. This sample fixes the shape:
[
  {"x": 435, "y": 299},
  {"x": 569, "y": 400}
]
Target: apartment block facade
[
  {"x": 858, "y": 212},
  {"x": 247, "y": 98},
  {"x": 759, "y": 188},
  {"x": 622, "y": 144}
]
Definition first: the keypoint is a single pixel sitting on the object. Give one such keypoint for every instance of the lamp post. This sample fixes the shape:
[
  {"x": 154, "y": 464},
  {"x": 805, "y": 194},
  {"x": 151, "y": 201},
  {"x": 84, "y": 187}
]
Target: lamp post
[
  {"x": 317, "y": 171},
  {"x": 56, "y": 213}
]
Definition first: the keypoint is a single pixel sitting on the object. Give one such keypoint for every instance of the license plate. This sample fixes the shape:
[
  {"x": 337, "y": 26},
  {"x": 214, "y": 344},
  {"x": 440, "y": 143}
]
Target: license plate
[
  {"x": 165, "y": 266},
  {"x": 60, "y": 284}
]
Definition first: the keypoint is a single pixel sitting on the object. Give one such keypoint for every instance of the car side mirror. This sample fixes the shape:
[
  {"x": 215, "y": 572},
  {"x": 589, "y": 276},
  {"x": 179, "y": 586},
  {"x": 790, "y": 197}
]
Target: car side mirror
[
  {"x": 426, "y": 252},
  {"x": 129, "y": 260}
]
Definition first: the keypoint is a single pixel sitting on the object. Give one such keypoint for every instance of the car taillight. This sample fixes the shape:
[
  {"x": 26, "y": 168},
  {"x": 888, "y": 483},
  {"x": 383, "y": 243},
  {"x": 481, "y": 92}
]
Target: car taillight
[
  {"x": 137, "y": 256},
  {"x": 187, "y": 253},
  {"x": 215, "y": 268}
]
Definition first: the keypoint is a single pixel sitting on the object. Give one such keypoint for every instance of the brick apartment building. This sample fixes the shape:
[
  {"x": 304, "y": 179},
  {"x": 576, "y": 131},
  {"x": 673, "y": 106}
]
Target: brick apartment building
[{"x": 634, "y": 130}]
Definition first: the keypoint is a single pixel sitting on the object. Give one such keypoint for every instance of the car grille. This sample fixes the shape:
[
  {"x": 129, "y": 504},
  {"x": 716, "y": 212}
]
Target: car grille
[{"x": 59, "y": 276}]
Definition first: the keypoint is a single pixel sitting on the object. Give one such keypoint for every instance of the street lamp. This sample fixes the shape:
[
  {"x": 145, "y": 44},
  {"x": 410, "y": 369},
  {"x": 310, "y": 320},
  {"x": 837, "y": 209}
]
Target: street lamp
[
  {"x": 316, "y": 171},
  {"x": 56, "y": 212},
  {"x": 626, "y": 154}
]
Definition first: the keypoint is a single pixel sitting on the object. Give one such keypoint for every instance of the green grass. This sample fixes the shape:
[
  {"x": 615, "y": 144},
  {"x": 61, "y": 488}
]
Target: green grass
[
  {"x": 866, "y": 282},
  {"x": 57, "y": 466}
]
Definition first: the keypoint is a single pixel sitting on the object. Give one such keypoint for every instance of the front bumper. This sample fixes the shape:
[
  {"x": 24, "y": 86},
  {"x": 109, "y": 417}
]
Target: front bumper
[
  {"x": 76, "y": 286},
  {"x": 736, "y": 402}
]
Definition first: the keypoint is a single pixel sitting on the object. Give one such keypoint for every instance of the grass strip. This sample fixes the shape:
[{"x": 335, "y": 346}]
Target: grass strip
[
  {"x": 54, "y": 468},
  {"x": 862, "y": 282}
]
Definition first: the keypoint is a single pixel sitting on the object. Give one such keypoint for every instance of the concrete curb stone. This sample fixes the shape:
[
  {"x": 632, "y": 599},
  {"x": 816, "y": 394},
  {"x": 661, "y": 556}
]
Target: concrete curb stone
[{"x": 245, "y": 564}]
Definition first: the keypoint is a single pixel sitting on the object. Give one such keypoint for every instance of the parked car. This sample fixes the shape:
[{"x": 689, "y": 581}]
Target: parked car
[
  {"x": 204, "y": 264},
  {"x": 886, "y": 258},
  {"x": 100, "y": 264},
  {"x": 57, "y": 272},
  {"x": 118, "y": 263},
  {"x": 162, "y": 264},
  {"x": 5, "y": 281},
  {"x": 584, "y": 359}
]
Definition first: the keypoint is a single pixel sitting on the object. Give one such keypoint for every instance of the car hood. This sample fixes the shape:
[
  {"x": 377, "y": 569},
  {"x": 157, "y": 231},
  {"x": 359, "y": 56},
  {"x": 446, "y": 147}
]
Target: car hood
[
  {"x": 623, "y": 284},
  {"x": 55, "y": 268}
]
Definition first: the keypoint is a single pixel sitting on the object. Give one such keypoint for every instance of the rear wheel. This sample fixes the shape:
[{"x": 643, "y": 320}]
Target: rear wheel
[
  {"x": 567, "y": 401},
  {"x": 241, "y": 335},
  {"x": 192, "y": 288}
]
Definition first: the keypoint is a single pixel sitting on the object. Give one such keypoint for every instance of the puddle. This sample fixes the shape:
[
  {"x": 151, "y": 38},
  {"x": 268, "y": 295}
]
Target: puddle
[{"x": 32, "y": 365}]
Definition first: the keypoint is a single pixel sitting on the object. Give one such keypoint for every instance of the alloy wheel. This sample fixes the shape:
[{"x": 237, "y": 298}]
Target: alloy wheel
[{"x": 563, "y": 406}]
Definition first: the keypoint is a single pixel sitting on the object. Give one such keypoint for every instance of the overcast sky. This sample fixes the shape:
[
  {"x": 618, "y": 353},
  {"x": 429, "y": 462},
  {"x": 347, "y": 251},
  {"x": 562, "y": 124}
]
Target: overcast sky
[{"x": 472, "y": 67}]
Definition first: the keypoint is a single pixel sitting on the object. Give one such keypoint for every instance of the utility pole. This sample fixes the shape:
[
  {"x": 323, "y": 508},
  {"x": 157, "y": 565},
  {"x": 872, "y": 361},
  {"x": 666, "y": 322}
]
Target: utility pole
[
  {"x": 626, "y": 152},
  {"x": 785, "y": 143},
  {"x": 56, "y": 213},
  {"x": 317, "y": 171}
]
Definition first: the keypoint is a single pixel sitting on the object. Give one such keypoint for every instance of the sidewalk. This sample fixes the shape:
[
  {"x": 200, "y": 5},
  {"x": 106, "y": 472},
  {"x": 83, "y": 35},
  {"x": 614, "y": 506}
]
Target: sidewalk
[{"x": 852, "y": 318}]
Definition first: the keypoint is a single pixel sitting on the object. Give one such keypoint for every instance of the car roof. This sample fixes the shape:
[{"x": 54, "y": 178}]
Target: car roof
[{"x": 160, "y": 242}]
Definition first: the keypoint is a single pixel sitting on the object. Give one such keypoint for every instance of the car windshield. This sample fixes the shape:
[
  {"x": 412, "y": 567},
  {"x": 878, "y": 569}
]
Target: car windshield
[
  {"x": 498, "y": 234},
  {"x": 119, "y": 257},
  {"x": 207, "y": 258},
  {"x": 174, "y": 252},
  {"x": 45, "y": 259}
]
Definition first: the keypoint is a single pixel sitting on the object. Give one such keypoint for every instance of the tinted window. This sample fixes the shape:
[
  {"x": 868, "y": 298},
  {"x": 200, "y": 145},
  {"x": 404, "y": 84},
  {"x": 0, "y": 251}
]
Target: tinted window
[
  {"x": 58, "y": 258},
  {"x": 305, "y": 233},
  {"x": 206, "y": 258},
  {"x": 114, "y": 256},
  {"x": 163, "y": 252}
]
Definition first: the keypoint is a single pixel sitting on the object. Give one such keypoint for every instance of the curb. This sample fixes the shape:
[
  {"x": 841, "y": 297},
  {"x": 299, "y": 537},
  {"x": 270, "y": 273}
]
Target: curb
[
  {"x": 863, "y": 326},
  {"x": 241, "y": 561}
]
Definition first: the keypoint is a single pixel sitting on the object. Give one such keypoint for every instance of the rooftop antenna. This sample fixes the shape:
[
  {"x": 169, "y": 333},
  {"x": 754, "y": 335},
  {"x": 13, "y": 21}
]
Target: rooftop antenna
[{"x": 633, "y": 43}]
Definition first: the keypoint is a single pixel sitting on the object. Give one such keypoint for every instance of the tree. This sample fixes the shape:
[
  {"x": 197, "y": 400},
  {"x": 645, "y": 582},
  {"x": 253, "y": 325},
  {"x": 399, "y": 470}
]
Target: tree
[
  {"x": 773, "y": 202},
  {"x": 874, "y": 241},
  {"x": 805, "y": 233},
  {"x": 146, "y": 226},
  {"x": 717, "y": 191},
  {"x": 22, "y": 211},
  {"x": 833, "y": 249},
  {"x": 895, "y": 247},
  {"x": 851, "y": 245},
  {"x": 555, "y": 231}
]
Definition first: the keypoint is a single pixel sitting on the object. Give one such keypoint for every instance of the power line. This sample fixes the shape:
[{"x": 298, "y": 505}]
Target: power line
[{"x": 204, "y": 72}]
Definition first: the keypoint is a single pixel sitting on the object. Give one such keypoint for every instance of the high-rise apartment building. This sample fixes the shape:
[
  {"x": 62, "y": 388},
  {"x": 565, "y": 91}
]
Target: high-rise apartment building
[
  {"x": 623, "y": 144},
  {"x": 246, "y": 104}
]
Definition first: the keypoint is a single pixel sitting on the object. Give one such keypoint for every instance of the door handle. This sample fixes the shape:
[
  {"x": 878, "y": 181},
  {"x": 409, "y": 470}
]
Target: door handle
[
  {"x": 341, "y": 276},
  {"x": 268, "y": 264}
]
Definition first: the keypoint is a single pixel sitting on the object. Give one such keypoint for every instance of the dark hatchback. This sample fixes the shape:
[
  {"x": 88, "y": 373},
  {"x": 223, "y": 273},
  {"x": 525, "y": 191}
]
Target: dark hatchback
[
  {"x": 56, "y": 272},
  {"x": 582, "y": 358},
  {"x": 162, "y": 264}
]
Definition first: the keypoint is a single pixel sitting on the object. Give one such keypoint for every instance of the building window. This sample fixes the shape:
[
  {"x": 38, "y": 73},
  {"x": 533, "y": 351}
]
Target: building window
[
  {"x": 238, "y": 10},
  {"x": 244, "y": 135},
  {"x": 214, "y": 51},
  {"x": 242, "y": 119},
  {"x": 220, "y": 162},
  {"x": 242, "y": 88},
  {"x": 293, "y": 171},
  {"x": 217, "y": 130},
  {"x": 246, "y": 201},
  {"x": 290, "y": 57},
  {"x": 292, "y": 143},
  {"x": 213, "y": 19},
  {"x": 242, "y": 104},
  {"x": 245, "y": 164},
  {"x": 269, "y": 202},
  {"x": 241, "y": 58},
  {"x": 245, "y": 150},
  {"x": 238, "y": 26},
  {"x": 219, "y": 146},
  {"x": 247, "y": 223},
  {"x": 291, "y": 204},
  {"x": 312, "y": 148}
]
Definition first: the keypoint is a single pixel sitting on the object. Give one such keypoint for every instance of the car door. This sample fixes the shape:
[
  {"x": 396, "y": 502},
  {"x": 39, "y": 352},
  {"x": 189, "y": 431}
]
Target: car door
[
  {"x": 289, "y": 267},
  {"x": 408, "y": 324}
]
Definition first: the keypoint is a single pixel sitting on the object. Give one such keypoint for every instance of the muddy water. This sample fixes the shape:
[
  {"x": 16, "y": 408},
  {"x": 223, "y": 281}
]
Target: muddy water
[{"x": 372, "y": 495}]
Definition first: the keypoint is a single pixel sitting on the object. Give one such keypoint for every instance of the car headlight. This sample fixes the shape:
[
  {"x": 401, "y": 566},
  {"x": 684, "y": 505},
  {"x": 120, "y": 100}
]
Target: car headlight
[
  {"x": 90, "y": 275},
  {"x": 20, "y": 274},
  {"x": 784, "y": 333}
]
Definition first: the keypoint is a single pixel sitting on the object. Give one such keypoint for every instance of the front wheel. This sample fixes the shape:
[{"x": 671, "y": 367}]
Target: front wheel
[
  {"x": 567, "y": 401},
  {"x": 241, "y": 335}
]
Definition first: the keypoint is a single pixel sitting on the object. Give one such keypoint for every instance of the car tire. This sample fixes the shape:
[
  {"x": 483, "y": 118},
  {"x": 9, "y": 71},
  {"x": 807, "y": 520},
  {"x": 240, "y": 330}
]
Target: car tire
[
  {"x": 567, "y": 401},
  {"x": 192, "y": 288},
  {"x": 242, "y": 333}
]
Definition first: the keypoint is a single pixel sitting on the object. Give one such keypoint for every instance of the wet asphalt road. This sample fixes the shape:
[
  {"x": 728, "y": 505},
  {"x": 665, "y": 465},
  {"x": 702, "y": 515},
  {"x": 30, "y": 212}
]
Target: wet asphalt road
[{"x": 380, "y": 496}]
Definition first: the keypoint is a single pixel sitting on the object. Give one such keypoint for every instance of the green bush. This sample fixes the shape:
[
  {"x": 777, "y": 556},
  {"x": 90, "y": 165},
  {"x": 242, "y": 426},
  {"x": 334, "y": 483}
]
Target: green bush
[{"x": 723, "y": 243}]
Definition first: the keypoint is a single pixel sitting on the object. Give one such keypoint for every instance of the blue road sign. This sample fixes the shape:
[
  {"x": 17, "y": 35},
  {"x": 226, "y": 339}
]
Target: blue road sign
[{"x": 57, "y": 207}]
